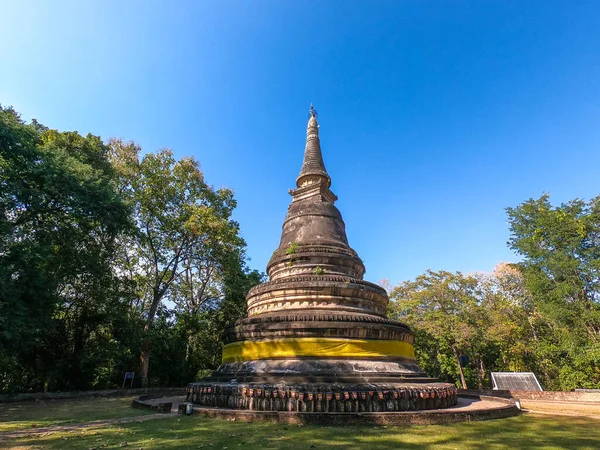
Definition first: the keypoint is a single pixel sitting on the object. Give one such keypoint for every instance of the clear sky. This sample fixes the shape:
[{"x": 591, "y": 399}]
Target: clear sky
[{"x": 435, "y": 115}]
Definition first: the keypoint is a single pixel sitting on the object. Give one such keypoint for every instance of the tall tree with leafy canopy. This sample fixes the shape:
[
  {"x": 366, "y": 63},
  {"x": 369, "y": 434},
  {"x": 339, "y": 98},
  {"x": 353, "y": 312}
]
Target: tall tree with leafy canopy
[
  {"x": 446, "y": 306},
  {"x": 60, "y": 216},
  {"x": 204, "y": 327},
  {"x": 560, "y": 246},
  {"x": 514, "y": 321},
  {"x": 561, "y": 250},
  {"x": 184, "y": 231}
]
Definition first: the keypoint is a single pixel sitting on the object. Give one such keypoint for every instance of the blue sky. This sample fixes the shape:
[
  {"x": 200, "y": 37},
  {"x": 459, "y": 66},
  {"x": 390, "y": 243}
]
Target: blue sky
[{"x": 435, "y": 115}]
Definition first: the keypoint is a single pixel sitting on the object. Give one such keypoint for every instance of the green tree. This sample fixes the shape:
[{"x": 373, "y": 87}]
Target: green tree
[
  {"x": 561, "y": 251},
  {"x": 106, "y": 256},
  {"x": 184, "y": 232},
  {"x": 445, "y": 306},
  {"x": 60, "y": 216},
  {"x": 560, "y": 246}
]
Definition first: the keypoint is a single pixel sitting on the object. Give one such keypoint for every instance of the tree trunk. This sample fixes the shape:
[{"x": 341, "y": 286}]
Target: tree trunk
[
  {"x": 146, "y": 344},
  {"x": 463, "y": 381},
  {"x": 480, "y": 373},
  {"x": 145, "y": 361},
  {"x": 535, "y": 337}
]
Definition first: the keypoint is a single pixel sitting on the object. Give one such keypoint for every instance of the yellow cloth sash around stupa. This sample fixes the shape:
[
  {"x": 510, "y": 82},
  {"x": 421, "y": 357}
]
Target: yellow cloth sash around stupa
[{"x": 315, "y": 347}]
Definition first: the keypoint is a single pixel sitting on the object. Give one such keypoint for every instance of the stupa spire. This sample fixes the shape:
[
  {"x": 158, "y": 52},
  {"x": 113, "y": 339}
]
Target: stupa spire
[{"x": 313, "y": 169}]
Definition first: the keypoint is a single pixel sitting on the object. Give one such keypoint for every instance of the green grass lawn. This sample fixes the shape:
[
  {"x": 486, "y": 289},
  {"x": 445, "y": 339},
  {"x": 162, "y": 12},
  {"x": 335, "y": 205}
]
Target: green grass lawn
[
  {"x": 181, "y": 432},
  {"x": 29, "y": 415}
]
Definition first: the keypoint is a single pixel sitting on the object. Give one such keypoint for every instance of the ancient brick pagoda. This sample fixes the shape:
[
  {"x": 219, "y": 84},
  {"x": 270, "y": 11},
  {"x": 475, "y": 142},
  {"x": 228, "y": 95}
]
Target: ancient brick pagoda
[{"x": 317, "y": 338}]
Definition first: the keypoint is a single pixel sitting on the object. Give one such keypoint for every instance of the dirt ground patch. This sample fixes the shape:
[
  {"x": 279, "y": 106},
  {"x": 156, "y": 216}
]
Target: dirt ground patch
[{"x": 580, "y": 409}]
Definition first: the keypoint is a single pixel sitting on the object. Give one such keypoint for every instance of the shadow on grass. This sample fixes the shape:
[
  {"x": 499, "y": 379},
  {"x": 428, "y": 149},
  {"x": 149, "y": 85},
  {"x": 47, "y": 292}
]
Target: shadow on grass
[
  {"x": 30, "y": 415},
  {"x": 525, "y": 432}
]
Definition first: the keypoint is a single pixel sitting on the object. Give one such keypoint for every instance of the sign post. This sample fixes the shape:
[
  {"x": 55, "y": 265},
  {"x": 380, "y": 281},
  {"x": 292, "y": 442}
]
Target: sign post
[{"x": 128, "y": 376}]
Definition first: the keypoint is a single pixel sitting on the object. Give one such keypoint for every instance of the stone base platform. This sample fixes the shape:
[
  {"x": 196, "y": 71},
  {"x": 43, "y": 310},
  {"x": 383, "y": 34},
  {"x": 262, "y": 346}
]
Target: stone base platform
[
  {"x": 467, "y": 409},
  {"x": 323, "y": 398}
]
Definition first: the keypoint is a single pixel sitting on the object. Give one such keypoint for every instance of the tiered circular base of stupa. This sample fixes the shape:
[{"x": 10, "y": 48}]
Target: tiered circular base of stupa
[{"x": 319, "y": 346}]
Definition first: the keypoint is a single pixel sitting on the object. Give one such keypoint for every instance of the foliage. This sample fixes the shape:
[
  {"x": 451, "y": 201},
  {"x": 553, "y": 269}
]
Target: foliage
[
  {"x": 446, "y": 308},
  {"x": 541, "y": 315},
  {"x": 183, "y": 238},
  {"x": 106, "y": 255},
  {"x": 560, "y": 247},
  {"x": 60, "y": 217},
  {"x": 291, "y": 248}
]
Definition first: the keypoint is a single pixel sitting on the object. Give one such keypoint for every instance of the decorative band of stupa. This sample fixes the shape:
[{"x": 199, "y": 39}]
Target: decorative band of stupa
[
  {"x": 316, "y": 348},
  {"x": 323, "y": 398}
]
